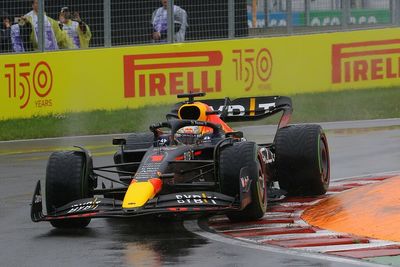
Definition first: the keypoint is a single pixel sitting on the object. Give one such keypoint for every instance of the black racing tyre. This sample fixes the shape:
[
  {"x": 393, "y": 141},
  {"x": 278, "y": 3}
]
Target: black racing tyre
[
  {"x": 232, "y": 159},
  {"x": 302, "y": 165},
  {"x": 139, "y": 141},
  {"x": 67, "y": 181}
]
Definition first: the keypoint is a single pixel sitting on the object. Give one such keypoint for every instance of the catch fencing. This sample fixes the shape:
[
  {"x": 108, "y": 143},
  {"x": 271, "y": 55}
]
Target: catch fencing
[{"x": 127, "y": 23}]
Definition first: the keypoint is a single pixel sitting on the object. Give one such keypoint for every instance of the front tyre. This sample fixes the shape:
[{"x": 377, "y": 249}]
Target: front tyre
[
  {"x": 66, "y": 181},
  {"x": 302, "y": 164},
  {"x": 232, "y": 159}
]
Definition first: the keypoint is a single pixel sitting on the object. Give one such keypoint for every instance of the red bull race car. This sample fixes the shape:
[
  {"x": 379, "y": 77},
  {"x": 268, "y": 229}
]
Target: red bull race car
[{"x": 192, "y": 164}]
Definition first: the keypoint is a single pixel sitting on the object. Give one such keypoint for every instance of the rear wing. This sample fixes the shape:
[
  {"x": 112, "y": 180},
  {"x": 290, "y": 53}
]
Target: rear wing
[{"x": 252, "y": 108}]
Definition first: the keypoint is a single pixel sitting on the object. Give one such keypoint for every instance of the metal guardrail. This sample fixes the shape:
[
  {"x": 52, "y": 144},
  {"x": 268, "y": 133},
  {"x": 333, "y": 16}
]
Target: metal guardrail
[{"x": 122, "y": 22}]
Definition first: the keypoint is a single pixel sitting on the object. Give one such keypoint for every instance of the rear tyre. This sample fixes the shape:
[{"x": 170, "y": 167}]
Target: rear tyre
[
  {"x": 302, "y": 160},
  {"x": 232, "y": 160},
  {"x": 67, "y": 181}
]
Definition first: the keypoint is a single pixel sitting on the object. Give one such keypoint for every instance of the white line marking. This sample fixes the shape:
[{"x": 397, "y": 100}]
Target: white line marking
[
  {"x": 302, "y": 223},
  {"x": 220, "y": 218},
  {"x": 279, "y": 214},
  {"x": 321, "y": 233},
  {"x": 249, "y": 228},
  {"x": 367, "y": 175},
  {"x": 64, "y": 138},
  {"x": 327, "y": 248},
  {"x": 334, "y": 192},
  {"x": 359, "y": 182},
  {"x": 193, "y": 227},
  {"x": 298, "y": 204}
]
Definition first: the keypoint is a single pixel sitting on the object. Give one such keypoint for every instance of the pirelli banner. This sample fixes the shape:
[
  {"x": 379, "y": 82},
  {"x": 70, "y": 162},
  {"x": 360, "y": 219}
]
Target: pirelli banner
[{"x": 114, "y": 78}]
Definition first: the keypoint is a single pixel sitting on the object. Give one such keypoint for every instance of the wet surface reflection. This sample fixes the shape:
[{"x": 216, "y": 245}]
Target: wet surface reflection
[
  {"x": 144, "y": 241},
  {"x": 153, "y": 241},
  {"x": 149, "y": 241}
]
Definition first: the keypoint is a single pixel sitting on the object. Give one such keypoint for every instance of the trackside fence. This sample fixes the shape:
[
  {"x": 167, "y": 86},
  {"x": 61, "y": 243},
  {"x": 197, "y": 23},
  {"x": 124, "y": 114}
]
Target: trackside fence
[{"x": 115, "y": 23}]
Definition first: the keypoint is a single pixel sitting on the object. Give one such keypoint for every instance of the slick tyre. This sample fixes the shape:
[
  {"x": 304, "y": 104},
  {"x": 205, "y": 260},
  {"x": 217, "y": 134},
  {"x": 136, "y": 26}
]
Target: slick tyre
[
  {"x": 302, "y": 165},
  {"x": 232, "y": 159},
  {"x": 67, "y": 181}
]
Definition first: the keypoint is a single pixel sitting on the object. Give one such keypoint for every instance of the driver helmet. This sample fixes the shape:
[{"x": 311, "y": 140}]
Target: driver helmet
[{"x": 188, "y": 134}]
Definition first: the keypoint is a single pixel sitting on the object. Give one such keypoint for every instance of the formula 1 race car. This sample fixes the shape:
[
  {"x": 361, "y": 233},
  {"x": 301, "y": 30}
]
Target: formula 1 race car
[{"x": 192, "y": 164}]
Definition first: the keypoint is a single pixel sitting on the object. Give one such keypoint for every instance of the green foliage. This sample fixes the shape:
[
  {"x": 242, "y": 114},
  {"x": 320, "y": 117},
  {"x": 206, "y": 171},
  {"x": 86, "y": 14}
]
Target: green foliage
[
  {"x": 318, "y": 107},
  {"x": 347, "y": 105}
]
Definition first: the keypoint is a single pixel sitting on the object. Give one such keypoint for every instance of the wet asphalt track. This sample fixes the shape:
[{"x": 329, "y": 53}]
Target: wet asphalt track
[{"x": 356, "y": 149}]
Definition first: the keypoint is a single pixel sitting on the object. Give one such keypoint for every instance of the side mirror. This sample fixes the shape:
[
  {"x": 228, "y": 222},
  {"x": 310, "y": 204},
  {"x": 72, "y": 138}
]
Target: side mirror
[
  {"x": 237, "y": 134},
  {"x": 119, "y": 141}
]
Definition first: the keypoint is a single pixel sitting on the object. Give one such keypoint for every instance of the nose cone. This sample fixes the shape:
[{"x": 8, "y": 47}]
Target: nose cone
[{"x": 139, "y": 193}]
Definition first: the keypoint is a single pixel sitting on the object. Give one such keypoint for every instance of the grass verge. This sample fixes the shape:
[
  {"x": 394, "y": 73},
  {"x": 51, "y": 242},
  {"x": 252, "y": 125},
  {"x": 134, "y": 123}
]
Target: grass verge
[{"x": 318, "y": 107}]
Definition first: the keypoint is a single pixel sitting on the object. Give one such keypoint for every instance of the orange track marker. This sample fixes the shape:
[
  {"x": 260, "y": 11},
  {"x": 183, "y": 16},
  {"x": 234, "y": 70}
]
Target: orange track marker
[{"x": 371, "y": 210}]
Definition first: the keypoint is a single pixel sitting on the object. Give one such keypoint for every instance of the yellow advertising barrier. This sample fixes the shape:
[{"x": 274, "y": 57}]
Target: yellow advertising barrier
[{"x": 113, "y": 78}]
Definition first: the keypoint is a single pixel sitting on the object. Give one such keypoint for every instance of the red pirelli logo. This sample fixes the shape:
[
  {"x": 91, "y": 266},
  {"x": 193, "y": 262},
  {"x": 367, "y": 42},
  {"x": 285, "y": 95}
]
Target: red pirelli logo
[
  {"x": 172, "y": 73},
  {"x": 366, "y": 61}
]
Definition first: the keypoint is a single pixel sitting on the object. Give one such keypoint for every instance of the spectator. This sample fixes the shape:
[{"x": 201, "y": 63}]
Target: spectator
[
  {"x": 160, "y": 23},
  {"x": 5, "y": 33},
  {"x": 14, "y": 38},
  {"x": 76, "y": 29},
  {"x": 20, "y": 36},
  {"x": 54, "y": 37}
]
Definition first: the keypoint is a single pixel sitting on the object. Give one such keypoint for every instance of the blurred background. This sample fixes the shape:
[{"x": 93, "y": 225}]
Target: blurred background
[{"x": 127, "y": 23}]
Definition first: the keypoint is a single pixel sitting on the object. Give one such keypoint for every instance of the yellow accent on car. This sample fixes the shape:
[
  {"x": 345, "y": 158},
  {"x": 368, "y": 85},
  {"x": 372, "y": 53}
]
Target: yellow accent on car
[
  {"x": 252, "y": 106},
  {"x": 138, "y": 194},
  {"x": 204, "y": 197},
  {"x": 194, "y": 111}
]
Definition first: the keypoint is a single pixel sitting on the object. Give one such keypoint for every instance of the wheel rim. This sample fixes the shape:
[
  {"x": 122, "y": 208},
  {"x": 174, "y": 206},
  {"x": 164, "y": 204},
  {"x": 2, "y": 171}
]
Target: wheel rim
[
  {"x": 324, "y": 159},
  {"x": 261, "y": 187}
]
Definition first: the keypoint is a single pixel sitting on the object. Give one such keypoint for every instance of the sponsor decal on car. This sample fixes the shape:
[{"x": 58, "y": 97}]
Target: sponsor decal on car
[
  {"x": 156, "y": 158},
  {"x": 240, "y": 110},
  {"x": 245, "y": 183},
  {"x": 90, "y": 205},
  {"x": 195, "y": 199},
  {"x": 267, "y": 156},
  {"x": 38, "y": 199}
]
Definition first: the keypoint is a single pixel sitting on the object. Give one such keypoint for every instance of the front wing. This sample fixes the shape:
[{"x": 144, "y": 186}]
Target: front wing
[{"x": 188, "y": 203}]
